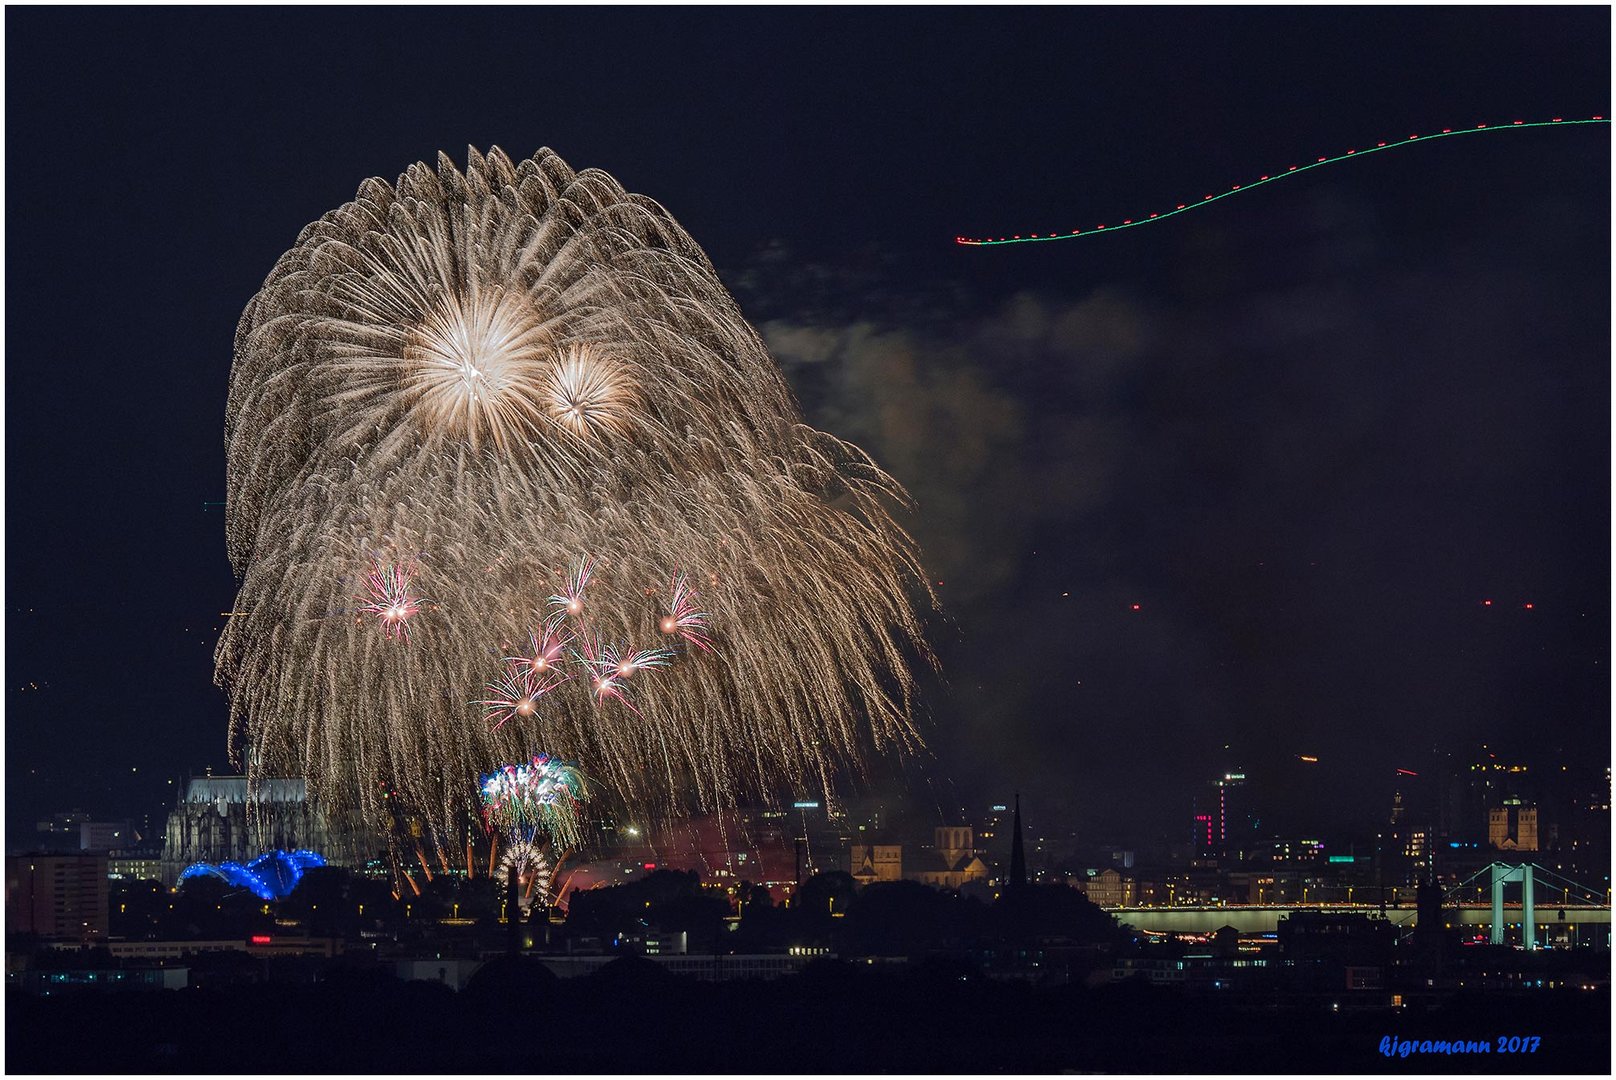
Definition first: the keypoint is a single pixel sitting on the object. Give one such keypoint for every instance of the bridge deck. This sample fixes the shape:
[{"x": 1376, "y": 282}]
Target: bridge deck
[{"x": 1253, "y": 919}]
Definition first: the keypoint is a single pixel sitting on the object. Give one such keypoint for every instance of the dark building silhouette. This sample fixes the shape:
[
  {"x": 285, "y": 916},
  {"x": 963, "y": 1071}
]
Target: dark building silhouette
[
  {"x": 1018, "y": 853},
  {"x": 57, "y": 896}
]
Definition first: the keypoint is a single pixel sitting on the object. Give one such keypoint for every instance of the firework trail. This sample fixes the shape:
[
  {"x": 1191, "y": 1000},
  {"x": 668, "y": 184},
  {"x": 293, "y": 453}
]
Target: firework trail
[
  {"x": 495, "y": 371},
  {"x": 1267, "y": 178}
]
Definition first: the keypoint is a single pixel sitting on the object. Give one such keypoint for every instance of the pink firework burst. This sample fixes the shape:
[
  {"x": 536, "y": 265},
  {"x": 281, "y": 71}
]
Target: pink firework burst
[
  {"x": 611, "y": 667},
  {"x": 544, "y": 650},
  {"x": 685, "y": 617},
  {"x": 570, "y": 600},
  {"x": 622, "y": 663},
  {"x": 515, "y": 695},
  {"x": 387, "y": 596}
]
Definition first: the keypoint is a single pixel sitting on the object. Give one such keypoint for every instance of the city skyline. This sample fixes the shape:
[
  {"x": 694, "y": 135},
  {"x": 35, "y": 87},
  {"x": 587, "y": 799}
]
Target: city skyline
[{"x": 1319, "y": 472}]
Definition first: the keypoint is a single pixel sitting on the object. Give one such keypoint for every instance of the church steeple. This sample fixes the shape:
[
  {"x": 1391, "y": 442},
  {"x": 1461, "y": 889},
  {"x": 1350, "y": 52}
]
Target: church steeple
[{"x": 1018, "y": 853}]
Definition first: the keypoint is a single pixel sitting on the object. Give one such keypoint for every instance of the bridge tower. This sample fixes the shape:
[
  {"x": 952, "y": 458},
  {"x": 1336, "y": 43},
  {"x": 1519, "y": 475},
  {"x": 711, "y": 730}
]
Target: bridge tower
[{"x": 1503, "y": 874}]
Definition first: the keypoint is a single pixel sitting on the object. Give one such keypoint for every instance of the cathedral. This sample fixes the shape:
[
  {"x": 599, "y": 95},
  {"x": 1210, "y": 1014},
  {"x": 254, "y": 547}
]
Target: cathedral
[{"x": 211, "y": 824}]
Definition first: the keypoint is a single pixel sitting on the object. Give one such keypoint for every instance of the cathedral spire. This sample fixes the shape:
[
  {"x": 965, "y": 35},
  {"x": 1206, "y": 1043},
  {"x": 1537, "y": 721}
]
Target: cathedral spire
[{"x": 1018, "y": 853}]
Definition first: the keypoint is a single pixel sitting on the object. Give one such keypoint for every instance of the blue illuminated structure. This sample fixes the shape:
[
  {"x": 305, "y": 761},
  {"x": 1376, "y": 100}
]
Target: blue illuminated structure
[{"x": 271, "y": 876}]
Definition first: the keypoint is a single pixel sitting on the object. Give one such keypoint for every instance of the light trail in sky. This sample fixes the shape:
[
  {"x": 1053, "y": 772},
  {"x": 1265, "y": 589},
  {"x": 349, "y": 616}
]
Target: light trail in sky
[{"x": 1267, "y": 178}]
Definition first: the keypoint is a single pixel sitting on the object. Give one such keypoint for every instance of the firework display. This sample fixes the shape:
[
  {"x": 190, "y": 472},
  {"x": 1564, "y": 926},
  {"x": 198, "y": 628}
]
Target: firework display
[
  {"x": 387, "y": 597},
  {"x": 684, "y": 617},
  {"x": 540, "y": 794},
  {"x": 515, "y": 695},
  {"x": 526, "y": 857},
  {"x": 546, "y": 647},
  {"x": 528, "y": 387}
]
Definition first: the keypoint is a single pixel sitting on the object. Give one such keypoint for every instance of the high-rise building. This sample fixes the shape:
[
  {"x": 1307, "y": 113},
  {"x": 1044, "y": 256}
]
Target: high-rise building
[
  {"x": 57, "y": 896},
  {"x": 1203, "y": 832},
  {"x": 1221, "y": 821}
]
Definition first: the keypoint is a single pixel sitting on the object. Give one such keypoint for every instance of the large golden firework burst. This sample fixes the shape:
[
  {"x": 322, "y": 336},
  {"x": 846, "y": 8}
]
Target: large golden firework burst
[{"x": 461, "y": 384}]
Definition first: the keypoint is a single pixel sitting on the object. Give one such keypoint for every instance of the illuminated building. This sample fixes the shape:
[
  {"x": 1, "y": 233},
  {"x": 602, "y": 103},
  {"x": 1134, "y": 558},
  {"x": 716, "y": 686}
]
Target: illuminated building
[
  {"x": 1222, "y": 823},
  {"x": 1512, "y": 827},
  {"x": 875, "y": 862},
  {"x": 211, "y": 825},
  {"x": 1109, "y": 888},
  {"x": 1409, "y": 842},
  {"x": 57, "y": 896},
  {"x": 1203, "y": 833},
  {"x": 137, "y": 865},
  {"x": 951, "y": 862}
]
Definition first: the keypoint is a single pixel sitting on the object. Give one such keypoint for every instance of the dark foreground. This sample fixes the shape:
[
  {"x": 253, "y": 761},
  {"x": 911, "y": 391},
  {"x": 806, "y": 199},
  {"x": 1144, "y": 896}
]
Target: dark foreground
[{"x": 633, "y": 1017}]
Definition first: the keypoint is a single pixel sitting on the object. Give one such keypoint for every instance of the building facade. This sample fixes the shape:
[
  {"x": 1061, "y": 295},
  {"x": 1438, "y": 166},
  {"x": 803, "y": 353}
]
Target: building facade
[
  {"x": 1109, "y": 888},
  {"x": 951, "y": 862},
  {"x": 106, "y": 835},
  {"x": 875, "y": 862},
  {"x": 1512, "y": 827},
  {"x": 216, "y": 822},
  {"x": 63, "y": 897}
]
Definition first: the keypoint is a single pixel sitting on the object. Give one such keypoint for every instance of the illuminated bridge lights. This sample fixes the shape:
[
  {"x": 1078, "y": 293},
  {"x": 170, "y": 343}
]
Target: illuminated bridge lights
[
  {"x": 1132, "y": 223},
  {"x": 271, "y": 876}
]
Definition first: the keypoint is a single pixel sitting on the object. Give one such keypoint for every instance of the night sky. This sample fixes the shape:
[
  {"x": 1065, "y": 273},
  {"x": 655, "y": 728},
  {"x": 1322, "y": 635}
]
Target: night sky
[{"x": 1241, "y": 479}]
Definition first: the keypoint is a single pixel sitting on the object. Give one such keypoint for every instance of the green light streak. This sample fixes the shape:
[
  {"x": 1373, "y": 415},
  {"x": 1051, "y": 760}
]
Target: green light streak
[{"x": 1295, "y": 170}]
